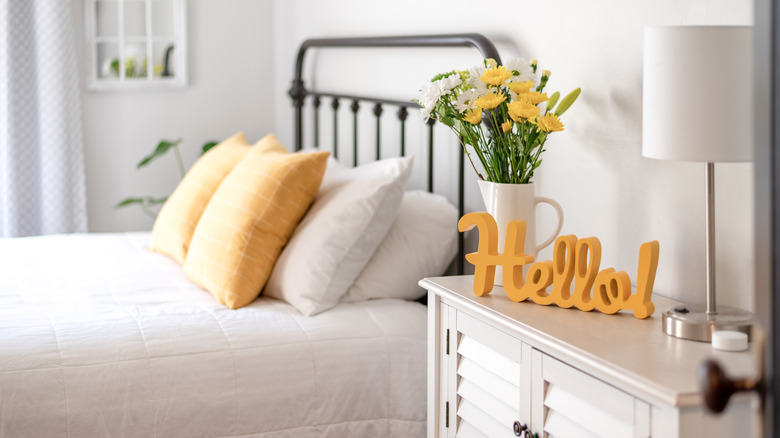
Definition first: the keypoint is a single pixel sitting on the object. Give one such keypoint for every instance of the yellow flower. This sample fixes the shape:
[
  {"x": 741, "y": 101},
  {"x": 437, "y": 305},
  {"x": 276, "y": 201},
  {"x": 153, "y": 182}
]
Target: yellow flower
[
  {"x": 546, "y": 73},
  {"x": 536, "y": 97},
  {"x": 520, "y": 111},
  {"x": 473, "y": 116},
  {"x": 496, "y": 76},
  {"x": 490, "y": 63},
  {"x": 533, "y": 64},
  {"x": 523, "y": 97},
  {"x": 490, "y": 100},
  {"x": 549, "y": 123},
  {"x": 533, "y": 98},
  {"x": 521, "y": 87},
  {"x": 506, "y": 126}
]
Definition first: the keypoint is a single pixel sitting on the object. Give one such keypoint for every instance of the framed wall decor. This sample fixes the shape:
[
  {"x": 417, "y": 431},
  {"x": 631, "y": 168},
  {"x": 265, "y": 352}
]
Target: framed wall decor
[{"x": 135, "y": 44}]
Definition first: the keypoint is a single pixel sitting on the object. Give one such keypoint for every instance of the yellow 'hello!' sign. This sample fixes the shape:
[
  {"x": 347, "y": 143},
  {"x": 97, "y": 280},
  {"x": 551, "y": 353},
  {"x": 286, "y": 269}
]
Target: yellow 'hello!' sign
[{"x": 574, "y": 260}]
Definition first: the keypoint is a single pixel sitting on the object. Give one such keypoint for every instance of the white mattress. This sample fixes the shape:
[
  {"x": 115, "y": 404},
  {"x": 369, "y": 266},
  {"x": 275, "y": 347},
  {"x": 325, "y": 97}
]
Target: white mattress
[{"x": 100, "y": 337}]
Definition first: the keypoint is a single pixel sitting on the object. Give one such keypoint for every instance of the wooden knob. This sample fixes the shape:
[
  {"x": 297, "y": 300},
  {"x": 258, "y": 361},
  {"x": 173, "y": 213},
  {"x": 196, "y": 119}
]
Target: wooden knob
[{"x": 717, "y": 387}]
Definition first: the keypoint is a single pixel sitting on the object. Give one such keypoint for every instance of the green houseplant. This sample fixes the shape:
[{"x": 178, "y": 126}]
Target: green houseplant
[{"x": 149, "y": 203}]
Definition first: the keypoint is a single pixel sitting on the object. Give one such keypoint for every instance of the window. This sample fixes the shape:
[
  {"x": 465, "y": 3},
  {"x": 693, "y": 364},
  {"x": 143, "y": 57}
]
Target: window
[{"x": 135, "y": 44}]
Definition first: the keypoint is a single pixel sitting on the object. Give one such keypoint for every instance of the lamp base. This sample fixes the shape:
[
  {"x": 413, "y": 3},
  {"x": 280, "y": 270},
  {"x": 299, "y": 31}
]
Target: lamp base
[{"x": 692, "y": 322}]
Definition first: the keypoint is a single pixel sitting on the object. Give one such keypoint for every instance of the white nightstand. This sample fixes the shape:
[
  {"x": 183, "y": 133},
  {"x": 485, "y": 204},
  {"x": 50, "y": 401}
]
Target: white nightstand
[{"x": 495, "y": 365}]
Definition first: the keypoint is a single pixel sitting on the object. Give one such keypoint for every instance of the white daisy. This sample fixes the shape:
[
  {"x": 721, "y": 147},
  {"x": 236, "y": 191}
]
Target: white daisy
[
  {"x": 465, "y": 100},
  {"x": 429, "y": 94},
  {"x": 425, "y": 113},
  {"x": 448, "y": 83},
  {"x": 475, "y": 73},
  {"x": 521, "y": 66}
]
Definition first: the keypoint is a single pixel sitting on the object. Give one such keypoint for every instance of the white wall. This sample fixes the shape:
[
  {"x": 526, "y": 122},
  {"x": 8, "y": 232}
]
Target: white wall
[
  {"x": 595, "y": 168},
  {"x": 230, "y": 49}
]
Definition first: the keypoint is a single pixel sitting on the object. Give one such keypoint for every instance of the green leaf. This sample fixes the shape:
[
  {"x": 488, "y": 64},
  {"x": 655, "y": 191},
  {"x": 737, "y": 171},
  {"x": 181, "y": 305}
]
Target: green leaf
[
  {"x": 115, "y": 66},
  {"x": 208, "y": 146},
  {"x": 162, "y": 147},
  {"x": 447, "y": 120},
  {"x": 444, "y": 75},
  {"x": 567, "y": 101},
  {"x": 143, "y": 201},
  {"x": 553, "y": 100},
  {"x": 459, "y": 128},
  {"x": 129, "y": 201}
]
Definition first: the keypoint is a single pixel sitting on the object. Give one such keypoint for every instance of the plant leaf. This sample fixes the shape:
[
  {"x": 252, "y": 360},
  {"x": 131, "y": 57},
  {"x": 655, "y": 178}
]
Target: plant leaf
[
  {"x": 162, "y": 147},
  {"x": 146, "y": 200},
  {"x": 155, "y": 201},
  {"x": 208, "y": 146},
  {"x": 567, "y": 101},
  {"x": 552, "y": 101},
  {"x": 129, "y": 201}
]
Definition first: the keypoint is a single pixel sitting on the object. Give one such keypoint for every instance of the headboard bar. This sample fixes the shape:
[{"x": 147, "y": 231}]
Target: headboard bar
[
  {"x": 406, "y": 103},
  {"x": 298, "y": 91}
]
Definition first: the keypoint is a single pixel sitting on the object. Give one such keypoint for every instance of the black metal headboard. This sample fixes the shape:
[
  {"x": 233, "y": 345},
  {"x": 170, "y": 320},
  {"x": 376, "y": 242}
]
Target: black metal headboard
[{"x": 299, "y": 92}]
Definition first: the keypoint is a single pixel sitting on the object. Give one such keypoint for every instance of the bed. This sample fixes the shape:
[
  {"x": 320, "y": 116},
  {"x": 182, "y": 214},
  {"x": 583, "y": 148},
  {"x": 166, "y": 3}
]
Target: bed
[{"x": 99, "y": 336}]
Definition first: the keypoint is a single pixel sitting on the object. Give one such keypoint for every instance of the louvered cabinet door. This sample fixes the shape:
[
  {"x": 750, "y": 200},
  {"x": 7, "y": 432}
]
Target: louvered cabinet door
[
  {"x": 569, "y": 403},
  {"x": 490, "y": 379}
]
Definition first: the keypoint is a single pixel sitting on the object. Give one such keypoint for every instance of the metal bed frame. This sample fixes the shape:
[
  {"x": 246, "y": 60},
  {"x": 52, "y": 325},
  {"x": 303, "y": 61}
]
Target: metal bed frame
[{"x": 298, "y": 92}]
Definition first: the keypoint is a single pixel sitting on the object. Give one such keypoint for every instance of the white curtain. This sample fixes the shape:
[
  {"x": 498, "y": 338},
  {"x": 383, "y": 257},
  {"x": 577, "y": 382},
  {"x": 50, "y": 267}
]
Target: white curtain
[{"x": 42, "y": 187}]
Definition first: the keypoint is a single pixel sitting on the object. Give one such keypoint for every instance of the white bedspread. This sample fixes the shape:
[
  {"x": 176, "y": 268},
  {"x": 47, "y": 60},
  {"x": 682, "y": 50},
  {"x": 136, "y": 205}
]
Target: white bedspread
[{"x": 100, "y": 337}]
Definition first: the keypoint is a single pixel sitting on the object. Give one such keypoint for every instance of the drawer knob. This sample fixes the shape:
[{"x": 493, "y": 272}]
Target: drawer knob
[
  {"x": 718, "y": 387},
  {"x": 521, "y": 430}
]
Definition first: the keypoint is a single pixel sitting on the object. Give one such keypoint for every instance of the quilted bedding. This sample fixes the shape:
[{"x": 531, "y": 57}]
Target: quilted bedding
[{"x": 100, "y": 337}]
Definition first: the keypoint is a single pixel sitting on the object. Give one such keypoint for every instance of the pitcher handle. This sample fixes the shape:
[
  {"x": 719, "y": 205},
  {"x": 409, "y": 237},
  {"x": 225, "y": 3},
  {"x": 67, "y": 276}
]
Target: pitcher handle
[{"x": 558, "y": 212}]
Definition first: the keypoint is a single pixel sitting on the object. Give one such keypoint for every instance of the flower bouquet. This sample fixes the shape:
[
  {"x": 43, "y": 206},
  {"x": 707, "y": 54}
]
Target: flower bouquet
[{"x": 496, "y": 109}]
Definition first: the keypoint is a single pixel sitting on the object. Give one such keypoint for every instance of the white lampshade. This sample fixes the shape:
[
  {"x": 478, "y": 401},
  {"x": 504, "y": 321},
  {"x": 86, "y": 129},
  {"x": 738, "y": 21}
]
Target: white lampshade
[{"x": 698, "y": 93}]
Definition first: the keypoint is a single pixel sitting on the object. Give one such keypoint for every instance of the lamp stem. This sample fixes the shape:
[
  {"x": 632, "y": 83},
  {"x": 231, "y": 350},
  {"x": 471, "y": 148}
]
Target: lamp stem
[
  {"x": 698, "y": 322},
  {"x": 709, "y": 175}
]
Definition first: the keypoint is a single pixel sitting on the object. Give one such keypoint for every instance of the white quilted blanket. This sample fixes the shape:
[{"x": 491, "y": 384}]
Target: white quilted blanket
[{"x": 101, "y": 338}]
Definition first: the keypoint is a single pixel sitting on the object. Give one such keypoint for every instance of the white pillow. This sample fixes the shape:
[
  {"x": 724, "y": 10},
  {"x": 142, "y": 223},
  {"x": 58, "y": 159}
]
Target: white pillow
[
  {"x": 421, "y": 243},
  {"x": 350, "y": 216}
]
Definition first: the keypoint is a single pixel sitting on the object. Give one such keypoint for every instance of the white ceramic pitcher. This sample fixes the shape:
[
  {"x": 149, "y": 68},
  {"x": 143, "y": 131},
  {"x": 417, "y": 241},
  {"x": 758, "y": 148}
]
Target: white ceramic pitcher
[{"x": 506, "y": 202}]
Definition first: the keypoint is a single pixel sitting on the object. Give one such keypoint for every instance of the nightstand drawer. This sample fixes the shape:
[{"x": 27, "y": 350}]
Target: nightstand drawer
[{"x": 573, "y": 403}]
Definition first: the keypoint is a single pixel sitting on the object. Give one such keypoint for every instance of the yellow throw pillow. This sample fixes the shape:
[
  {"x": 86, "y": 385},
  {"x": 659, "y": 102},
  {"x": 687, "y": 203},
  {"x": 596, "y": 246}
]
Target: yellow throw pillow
[
  {"x": 250, "y": 218},
  {"x": 180, "y": 214}
]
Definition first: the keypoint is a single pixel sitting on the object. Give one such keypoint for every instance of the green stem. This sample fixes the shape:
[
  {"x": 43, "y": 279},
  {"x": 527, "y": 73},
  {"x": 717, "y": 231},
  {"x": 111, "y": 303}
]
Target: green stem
[
  {"x": 178, "y": 160},
  {"x": 468, "y": 155},
  {"x": 473, "y": 141},
  {"x": 478, "y": 140},
  {"x": 502, "y": 159},
  {"x": 149, "y": 212},
  {"x": 492, "y": 168}
]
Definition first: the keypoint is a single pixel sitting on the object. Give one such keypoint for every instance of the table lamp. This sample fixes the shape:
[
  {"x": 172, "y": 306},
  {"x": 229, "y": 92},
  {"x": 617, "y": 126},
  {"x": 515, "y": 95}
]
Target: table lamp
[{"x": 697, "y": 106}]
